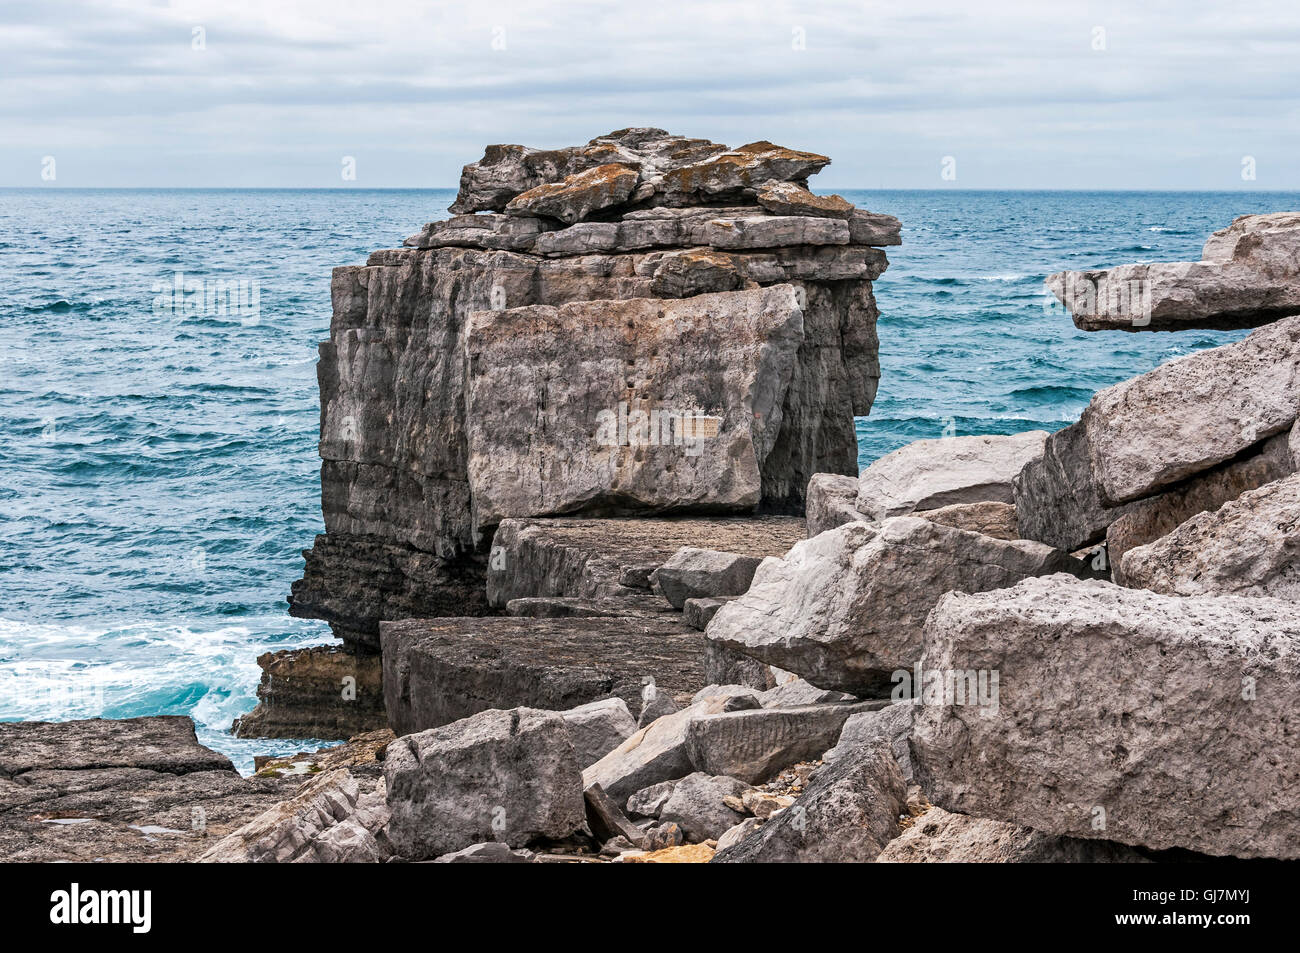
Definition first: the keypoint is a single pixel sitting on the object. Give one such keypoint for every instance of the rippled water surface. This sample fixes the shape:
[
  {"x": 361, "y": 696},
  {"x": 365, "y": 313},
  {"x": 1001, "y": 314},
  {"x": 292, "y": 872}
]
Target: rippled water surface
[{"x": 158, "y": 470}]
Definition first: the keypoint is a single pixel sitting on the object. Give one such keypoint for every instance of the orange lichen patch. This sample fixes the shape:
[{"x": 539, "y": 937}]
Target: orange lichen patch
[
  {"x": 610, "y": 176},
  {"x": 685, "y": 854}
]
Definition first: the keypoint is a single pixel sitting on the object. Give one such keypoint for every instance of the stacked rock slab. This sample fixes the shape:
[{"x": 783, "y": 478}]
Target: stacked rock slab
[
  {"x": 539, "y": 317},
  {"x": 1248, "y": 275}
]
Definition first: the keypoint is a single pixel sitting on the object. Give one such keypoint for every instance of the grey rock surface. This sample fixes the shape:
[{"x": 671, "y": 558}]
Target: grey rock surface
[
  {"x": 1249, "y": 546},
  {"x": 507, "y": 776},
  {"x": 892, "y": 723},
  {"x": 699, "y": 612},
  {"x": 1124, "y": 715},
  {"x": 845, "y": 609},
  {"x": 597, "y": 728},
  {"x": 831, "y": 501},
  {"x": 694, "y": 573},
  {"x": 988, "y": 519},
  {"x": 695, "y": 805},
  {"x": 1194, "y": 412},
  {"x": 938, "y": 837},
  {"x": 1248, "y": 275},
  {"x": 848, "y": 814},
  {"x": 929, "y": 474},
  {"x": 437, "y": 671},
  {"x": 754, "y": 745},
  {"x": 1147, "y": 520}
]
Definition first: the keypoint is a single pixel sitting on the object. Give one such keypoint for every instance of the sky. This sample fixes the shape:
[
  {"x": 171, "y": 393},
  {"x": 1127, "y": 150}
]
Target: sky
[{"x": 909, "y": 94}]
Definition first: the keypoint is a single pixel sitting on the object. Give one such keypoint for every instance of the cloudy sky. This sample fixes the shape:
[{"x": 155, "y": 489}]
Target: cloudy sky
[{"x": 1016, "y": 95}]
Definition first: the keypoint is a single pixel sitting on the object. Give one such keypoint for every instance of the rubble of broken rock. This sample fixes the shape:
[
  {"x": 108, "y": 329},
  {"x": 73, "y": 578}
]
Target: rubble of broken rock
[{"x": 595, "y": 650}]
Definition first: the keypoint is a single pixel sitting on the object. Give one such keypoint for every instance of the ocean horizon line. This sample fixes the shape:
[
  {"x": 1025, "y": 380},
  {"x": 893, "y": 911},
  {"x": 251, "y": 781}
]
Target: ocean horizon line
[{"x": 452, "y": 188}]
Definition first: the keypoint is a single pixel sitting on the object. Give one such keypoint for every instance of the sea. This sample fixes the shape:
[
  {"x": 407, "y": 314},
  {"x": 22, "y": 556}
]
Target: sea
[{"x": 158, "y": 467}]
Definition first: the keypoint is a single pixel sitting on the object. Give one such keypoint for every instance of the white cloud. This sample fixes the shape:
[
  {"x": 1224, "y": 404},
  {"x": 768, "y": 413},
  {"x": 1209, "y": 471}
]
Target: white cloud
[{"x": 1018, "y": 93}]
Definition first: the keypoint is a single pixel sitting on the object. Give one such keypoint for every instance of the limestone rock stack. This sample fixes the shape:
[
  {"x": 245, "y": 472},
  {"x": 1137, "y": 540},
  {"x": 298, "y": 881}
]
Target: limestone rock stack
[{"x": 647, "y": 324}]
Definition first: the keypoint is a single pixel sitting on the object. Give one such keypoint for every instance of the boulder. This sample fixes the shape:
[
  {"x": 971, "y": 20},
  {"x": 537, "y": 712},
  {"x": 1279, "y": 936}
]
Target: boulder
[
  {"x": 508, "y": 776},
  {"x": 642, "y": 406},
  {"x": 694, "y": 573},
  {"x": 439, "y": 670},
  {"x": 845, "y": 609},
  {"x": 938, "y": 837},
  {"x": 1249, "y": 546},
  {"x": 848, "y": 814},
  {"x": 873, "y": 228},
  {"x": 797, "y": 693},
  {"x": 1057, "y": 498},
  {"x": 1171, "y": 718},
  {"x": 892, "y": 723},
  {"x": 699, "y": 612},
  {"x": 657, "y": 752},
  {"x": 579, "y": 195},
  {"x": 754, "y": 745},
  {"x": 1145, "y": 521},
  {"x": 614, "y": 558},
  {"x": 1248, "y": 275},
  {"x": 1194, "y": 412},
  {"x": 695, "y": 805},
  {"x": 607, "y": 821},
  {"x": 787, "y": 198},
  {"x": 654, "y": 705},
  {"x": 734, "y": 835},
  {"x": 929, "y": 474},
  {"x": 649, "y": 801},
  {"x": 831, "y": 502},
  {"x": 597, "y": 728}
]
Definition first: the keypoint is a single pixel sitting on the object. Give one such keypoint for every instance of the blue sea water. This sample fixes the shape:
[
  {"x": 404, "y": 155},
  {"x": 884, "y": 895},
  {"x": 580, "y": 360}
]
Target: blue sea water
[{"x": 158, "y": 470}]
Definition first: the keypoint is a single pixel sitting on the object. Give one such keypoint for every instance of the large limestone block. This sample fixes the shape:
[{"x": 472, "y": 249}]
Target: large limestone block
[
  {"x": 639, "y": 405},
  {"x": 939, "y": 837},
  {"x": 508, "y": 776},
  {"x": 772, "y": 231},
  {"x": 1057, "y": 498},
  {"x": 845, "y": 609},
  {"x": 1146, "y": 521},
  {"x": 693, "y": 573},
  {"x": 929, "y": 474},
  {"x": 754, "y": 745},
  {"x": 989, "y": 519},
  {"x": 1194, "y": 412},
  {"x": 1249, "y": 546},
  {"x": 738, "y": 174},
  {"x": 1123, "y": 715},
  {"x": 787, "y": 198},
  {"x": 848, "y": 814},
  {"x": 1249, "y": 274},
  {"x": 439, "y": 670},
  {"x": 656, "y": 753},
  {"x": 831, "y": 502},
  {"x": 597, "y": 728}
]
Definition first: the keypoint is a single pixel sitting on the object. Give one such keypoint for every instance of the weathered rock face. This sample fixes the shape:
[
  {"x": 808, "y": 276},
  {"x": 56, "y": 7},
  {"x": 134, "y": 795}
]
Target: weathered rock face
[
  {"x": 137, "y": 789},
  {"x": 831, "y": 502},
  {"x": 988, "y": 519},
  {"x": 637, "y": 405},
  {"x": 508, "y": 776},
  {"x": 1249, "y": 274},
  {"x": 695, "y": 805},
  {"x": 597, "y": 728},
  {"x": 413, "y": 413},
  {"x": 929, "y": 474},
  {"x": 847, "y": 815},
  {"x": 1193, "y": 412},
  {"x": 320, "y": 692},
  {"x": 845, "y": 609},
  {"x": 1146, "y": 719},
  {"x": 938, "y": 837},
  {"x": 892, "y": 723},
  {"x": 1146, "y": 521},
  {"x": 753, "y": 745},
  {"x": 335, "y": 818},
  {"x": 600, "y": 558},
  {"x": 1250, "y": 546},
  {"x": 439, "y": 670}
]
